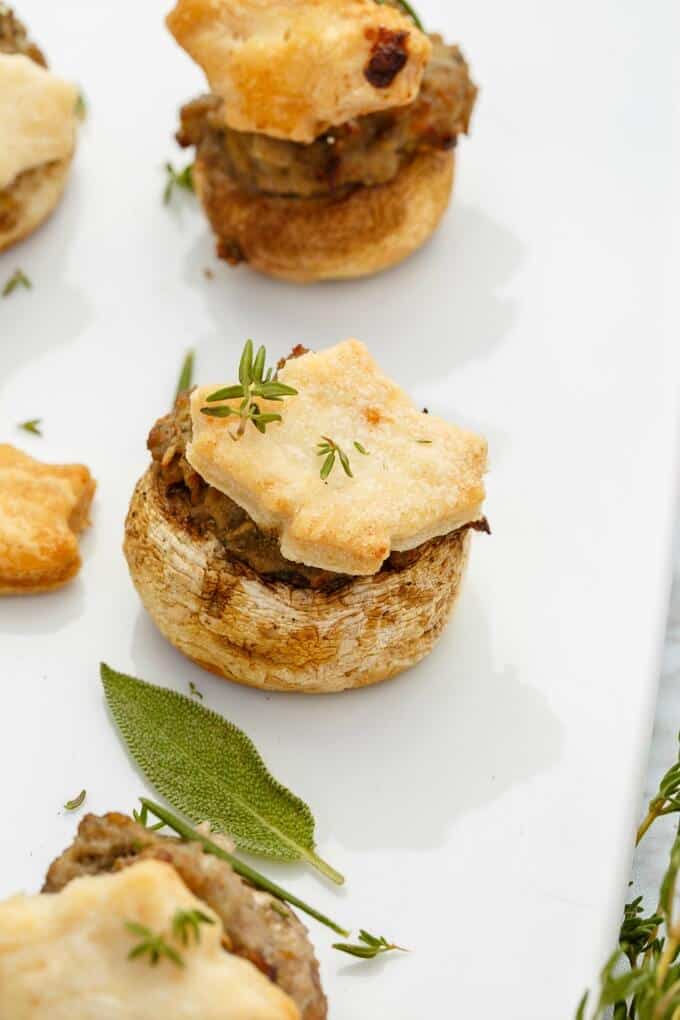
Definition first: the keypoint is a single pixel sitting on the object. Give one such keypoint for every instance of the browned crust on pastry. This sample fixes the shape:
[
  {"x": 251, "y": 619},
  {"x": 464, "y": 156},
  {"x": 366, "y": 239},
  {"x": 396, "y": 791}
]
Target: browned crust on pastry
[
  {"x": 44, "y": 554},
  {"x": 28, "y": 202},
  {"x": 229, "y": 620},
  {"x": 356, "y": 234}
]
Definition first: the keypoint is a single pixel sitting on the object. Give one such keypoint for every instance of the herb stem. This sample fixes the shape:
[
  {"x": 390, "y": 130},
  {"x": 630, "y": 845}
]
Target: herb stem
[
  {"x": 651, "y": 817},
  {"x": 323, "y": 866},
  {"x": 242, "y": 869}
]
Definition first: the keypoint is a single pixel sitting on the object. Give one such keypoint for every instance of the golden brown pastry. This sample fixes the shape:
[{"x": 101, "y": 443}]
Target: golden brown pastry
[
  {"x": 38, "y": 129},
  {"x": 43, "y": 507},
  {"x": 66, "y": 954},
  {"x": 325, "y": 148},
  {"x": 323, "y": 553}
]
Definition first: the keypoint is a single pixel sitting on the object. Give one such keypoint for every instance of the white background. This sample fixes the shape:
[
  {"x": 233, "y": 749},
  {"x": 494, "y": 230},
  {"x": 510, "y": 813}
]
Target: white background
[{"x": 482, "y": 806}]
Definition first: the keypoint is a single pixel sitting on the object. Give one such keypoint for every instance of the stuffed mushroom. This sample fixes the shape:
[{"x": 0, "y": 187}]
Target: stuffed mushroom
[
  {"x": 311, "y": 535},
  {"x": 38, "y": 115},
  {"x": 134, "y": 924},
  {"x": 325, "y": 146}
]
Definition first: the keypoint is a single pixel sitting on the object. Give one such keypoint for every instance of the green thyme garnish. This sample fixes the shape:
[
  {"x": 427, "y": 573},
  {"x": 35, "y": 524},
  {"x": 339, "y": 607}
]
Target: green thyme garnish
[
  {"x": 32, "y": 426},
  {"x": 73, "y": 805},
  {"x": 151, "y": 945},
  {"x": 183, "y": 179},
  {"x": 17, "y": 279},
  {"x": 407, "y": 9},
  {"x": 81, "y": 107},
  {"x": 360, "y": 448},
  {"x": 254, "y": 382},
  {"x": 370, "y": 946},
  {"x": 329, "y": 450},
  {"x": 187, "y": 923},
  {"x": 186, "y": 375},
  {"x": 142, "y": 818},
  {"x": 648, "y": 988},
  {"x": 193, "y": 689}
]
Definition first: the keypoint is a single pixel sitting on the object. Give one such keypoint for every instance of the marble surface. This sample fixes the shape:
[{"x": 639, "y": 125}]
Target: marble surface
[{"x": 651, "y": 857}]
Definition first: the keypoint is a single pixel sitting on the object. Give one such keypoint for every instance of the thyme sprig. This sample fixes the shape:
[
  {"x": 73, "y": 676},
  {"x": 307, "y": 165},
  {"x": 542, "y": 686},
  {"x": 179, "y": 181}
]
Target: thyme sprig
[
  {"x": 187, "y": 923},
  {"x": 369, "y": 946},
  {"x": 666, "y": 801},
  {"x": 650, "y": 988},
  {"x": 255, "y": 381},
  {"x": 182, "y": 179},
  {"x": 152, "y": 945},
  {"x": 17, "y": 279}
]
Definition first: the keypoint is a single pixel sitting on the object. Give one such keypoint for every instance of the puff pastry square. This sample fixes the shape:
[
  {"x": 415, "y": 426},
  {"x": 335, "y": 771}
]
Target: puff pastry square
[
  {"x": 293, "y": 68},
  {"x": 42, "y": 509},
  {"x": 422, "y": 477}
]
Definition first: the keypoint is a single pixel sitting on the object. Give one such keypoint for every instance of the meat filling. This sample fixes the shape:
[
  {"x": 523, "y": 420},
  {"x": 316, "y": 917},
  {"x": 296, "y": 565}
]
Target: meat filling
[
  {"x": 14, "y": 37},
  {"x": 257, "y": 927},
  {"x": 366, "y": 151},
  {"x": 201, "y": 507}
]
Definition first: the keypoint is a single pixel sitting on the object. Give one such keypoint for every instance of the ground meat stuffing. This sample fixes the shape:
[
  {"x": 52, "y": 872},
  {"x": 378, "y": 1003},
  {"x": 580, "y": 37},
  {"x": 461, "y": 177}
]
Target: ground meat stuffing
[
  {"x": 14, "y": 37},
  {"x": 201, "y": 507},
  {"x": 368, "y": 150},
  {"x": 257, "y": 927}
]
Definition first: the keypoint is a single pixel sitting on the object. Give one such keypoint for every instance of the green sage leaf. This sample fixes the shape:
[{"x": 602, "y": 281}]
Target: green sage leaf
[{"x": 210, "y": 770}]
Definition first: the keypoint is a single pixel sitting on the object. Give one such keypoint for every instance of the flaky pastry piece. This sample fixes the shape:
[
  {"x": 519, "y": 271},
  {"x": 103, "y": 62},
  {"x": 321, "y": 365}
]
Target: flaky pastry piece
[
  {"x": 256, "y": 927},
  {"x": 43, "y": 507},
  {"x": 421, "y": 478},
  {"x": 292, "y": 68},
  {"x": 85, "y": 953}
]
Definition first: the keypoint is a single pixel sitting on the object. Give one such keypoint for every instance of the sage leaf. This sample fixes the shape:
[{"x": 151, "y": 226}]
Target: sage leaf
[{"x": 210, "y": 770}]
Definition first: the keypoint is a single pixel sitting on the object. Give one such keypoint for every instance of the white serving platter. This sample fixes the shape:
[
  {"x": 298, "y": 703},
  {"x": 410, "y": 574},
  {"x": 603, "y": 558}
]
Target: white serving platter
[{"x": 482, "y": 806}]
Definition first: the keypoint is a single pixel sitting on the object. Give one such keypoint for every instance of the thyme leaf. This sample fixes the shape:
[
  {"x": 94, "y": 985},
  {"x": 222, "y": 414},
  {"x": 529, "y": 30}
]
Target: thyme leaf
[
  {"x": 368, "y": 947},
  {"x": 182, "y": 179},
  {"x": 32, "y": 426},
  {"x": 254, "y": 382},
  {"x": 186, "y": 923},
  {"x": 329, "y": 450},
  {"x": 193, "y": 689},
  {"x": 151, "y": 945},
  {"x": 81, "y": 107},
  {"x": 142, "y": 818},
  {"x": 186, "y": 375},
  {"x": 17, "y": 279},
  {"x": 73, "y": 805}
]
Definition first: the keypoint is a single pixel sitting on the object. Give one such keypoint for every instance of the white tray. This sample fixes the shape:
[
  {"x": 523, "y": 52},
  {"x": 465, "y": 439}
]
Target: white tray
[{"x": 482, "y": 806}]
